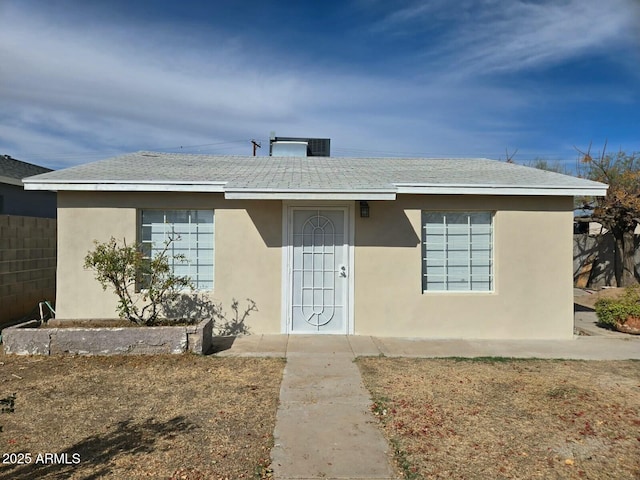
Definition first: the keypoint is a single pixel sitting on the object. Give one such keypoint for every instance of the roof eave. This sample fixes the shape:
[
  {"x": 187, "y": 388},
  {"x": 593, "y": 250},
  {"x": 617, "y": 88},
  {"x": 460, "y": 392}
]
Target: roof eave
[
  {"x": 593, "y": 191},
  {"x": 309, "y": 194},
  {"x": 10, "y": 180},
  {"x": 126, "y": 186},
  {"x": 251, "y": 193}
]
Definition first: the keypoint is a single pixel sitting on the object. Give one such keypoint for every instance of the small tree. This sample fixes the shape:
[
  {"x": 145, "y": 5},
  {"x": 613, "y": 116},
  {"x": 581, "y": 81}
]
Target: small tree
[
  {"x": 127, "y": 270},
  {"x": 619, "y": 210}
]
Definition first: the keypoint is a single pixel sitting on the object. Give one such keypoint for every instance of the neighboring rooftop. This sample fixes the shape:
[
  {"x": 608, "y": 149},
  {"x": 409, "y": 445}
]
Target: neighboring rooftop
[
  {"x": 311, "y": 177},
  {"x": 12, "y": 171}
]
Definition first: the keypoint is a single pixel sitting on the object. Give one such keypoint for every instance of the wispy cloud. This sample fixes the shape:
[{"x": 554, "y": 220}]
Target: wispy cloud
[
  {"x": 496, "y": 36},
  {"x": 110, "y": 86},
  {"x": 117, "y": 89},
  {"x": 87, "y": 73},
  {"x": 74, "y": 88}
]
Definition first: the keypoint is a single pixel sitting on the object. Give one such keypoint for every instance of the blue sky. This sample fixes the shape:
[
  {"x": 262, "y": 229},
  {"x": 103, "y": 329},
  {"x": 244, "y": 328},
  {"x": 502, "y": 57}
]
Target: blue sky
[{"x": 81, "y": 81}]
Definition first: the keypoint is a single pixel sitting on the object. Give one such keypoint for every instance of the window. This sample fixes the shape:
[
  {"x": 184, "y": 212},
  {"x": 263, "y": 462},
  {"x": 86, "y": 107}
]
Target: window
[
  {"x": 192, "y": 235},
  {"x": 457, "y": 251}
]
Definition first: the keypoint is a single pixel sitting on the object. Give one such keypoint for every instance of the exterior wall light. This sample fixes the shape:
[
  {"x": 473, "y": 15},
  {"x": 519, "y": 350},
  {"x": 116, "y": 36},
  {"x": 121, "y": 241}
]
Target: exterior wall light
[{"x": 364, "y": 209}]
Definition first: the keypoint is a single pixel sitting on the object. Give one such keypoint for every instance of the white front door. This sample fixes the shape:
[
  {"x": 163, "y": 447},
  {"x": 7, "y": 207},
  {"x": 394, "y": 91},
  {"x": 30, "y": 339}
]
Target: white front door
[{"x": 319, "y": 270}]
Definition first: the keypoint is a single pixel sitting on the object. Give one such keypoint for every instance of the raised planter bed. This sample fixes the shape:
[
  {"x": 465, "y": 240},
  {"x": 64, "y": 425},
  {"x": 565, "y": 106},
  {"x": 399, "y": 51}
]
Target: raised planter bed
[
  {"x": 29, "y": 339},
  {"x": 631, "y": 325}
]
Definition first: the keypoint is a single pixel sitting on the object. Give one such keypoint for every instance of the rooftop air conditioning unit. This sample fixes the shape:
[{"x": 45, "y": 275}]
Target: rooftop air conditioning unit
[
  {"x": 288, "y": 149},
  {"x": 315, "y": 147}
]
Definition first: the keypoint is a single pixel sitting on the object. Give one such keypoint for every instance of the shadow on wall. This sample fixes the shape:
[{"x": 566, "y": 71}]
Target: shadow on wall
[
  {"x": 196, "y": 308},
  {"x": 269, "y": 225},
  {"x": 600, "y": 248},
  {"x": 387, "y": 226}
]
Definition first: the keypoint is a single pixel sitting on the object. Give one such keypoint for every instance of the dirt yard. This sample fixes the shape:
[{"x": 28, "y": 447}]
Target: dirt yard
[
  {"x": 516, "y": 419},
  {"x": 153, "y": 417},
  {"x": 589, "y": 299}
]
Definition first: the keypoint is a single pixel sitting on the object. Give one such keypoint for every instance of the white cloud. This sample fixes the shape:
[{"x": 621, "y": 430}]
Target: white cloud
[
  {"x": 496, "y": 36},
  {"x": 101, "y": 91},
  {"x": 76, "y": 90}
]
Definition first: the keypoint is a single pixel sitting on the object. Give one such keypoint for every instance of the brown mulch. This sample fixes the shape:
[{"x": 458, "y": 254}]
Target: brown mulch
[
  {"x": 516, "y": 419},
  {"x": 132, "y": 417}
]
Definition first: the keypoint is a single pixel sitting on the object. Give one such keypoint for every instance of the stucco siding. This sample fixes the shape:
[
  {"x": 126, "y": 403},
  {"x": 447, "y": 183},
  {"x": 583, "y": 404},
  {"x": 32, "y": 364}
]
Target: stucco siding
[
  {"x": 79, "y": 295},
  {"x": 532, "y": 296},
  {"x": 247, "y": 250}
]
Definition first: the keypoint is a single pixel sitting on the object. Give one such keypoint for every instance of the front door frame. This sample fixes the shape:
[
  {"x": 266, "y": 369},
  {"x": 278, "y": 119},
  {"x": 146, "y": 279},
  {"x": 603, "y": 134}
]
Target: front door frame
[{"x": 287, "y": 257}]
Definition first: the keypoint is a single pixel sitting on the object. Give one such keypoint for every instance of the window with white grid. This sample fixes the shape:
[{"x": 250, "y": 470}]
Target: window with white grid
[
  {"x": 457, "y": 251},
  {"x": 191, "y": 234}
]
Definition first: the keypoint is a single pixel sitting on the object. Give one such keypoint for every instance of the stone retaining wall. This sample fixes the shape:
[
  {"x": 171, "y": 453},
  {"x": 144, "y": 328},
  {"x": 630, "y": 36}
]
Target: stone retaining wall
[{"x": 27, "y": 339}]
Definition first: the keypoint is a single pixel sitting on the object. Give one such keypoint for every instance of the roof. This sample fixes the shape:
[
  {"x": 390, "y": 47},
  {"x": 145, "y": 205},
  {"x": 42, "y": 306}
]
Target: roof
[
  {"x": 12, "y": 171},
  {"x": 311, "y": 177}
]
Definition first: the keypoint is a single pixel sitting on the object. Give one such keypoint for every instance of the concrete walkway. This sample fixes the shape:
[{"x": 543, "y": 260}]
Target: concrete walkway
[
  {"x": 586, "y": 323},
  {"x": 607, "y": 346},
  {"x": 324, "y": 428}
]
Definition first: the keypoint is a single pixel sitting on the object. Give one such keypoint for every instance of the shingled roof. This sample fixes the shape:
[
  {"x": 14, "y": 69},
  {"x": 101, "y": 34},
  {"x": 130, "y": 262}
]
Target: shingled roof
[
  {"x": 311, "y": 177},
  {"x": 12, "y": 171}
]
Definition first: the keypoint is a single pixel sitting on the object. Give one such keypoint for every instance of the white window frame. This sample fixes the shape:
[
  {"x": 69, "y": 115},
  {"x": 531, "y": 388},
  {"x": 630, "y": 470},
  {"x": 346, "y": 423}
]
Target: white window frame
[
  {"x": 164, "y": 212},
  {"x": 424, "y": 259}
]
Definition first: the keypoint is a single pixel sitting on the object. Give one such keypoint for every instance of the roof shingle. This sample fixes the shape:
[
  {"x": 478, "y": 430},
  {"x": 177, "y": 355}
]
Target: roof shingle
[
  {"x": 310, "y": 173},
  {"x": 17, "y": 169}
]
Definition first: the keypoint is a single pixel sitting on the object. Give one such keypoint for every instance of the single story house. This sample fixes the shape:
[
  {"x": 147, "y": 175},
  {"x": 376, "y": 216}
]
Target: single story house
[{"x": 410, "y": 247}]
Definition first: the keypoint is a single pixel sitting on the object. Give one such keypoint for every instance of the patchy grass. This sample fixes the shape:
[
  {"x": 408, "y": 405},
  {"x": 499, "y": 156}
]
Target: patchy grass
[
  {"x": 162, "y": 417},
  {"x": 448, "y": 419}
]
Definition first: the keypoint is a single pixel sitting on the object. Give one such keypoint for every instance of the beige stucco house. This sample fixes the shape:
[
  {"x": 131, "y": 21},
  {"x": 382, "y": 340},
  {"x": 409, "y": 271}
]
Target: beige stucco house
[{"x": 439, "y": 248}]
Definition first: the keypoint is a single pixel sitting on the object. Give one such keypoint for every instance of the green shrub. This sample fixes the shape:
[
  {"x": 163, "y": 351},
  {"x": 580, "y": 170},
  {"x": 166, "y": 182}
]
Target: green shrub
[
  {"x": 125, "y": 269},
  {"x": 612, "y": 312}
]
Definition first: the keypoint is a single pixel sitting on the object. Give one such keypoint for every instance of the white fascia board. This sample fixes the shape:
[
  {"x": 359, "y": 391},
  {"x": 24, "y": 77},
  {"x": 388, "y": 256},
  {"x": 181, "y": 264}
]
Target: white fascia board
[
  {"x": 248, "y": 194},
  {"x": 127, "y": 186},
  {"x": 595, "y": 191}
]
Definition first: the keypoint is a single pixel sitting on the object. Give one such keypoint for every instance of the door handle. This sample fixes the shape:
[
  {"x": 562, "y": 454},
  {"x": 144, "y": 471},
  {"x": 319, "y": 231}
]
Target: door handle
[{"x": 343, "y": 271}]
